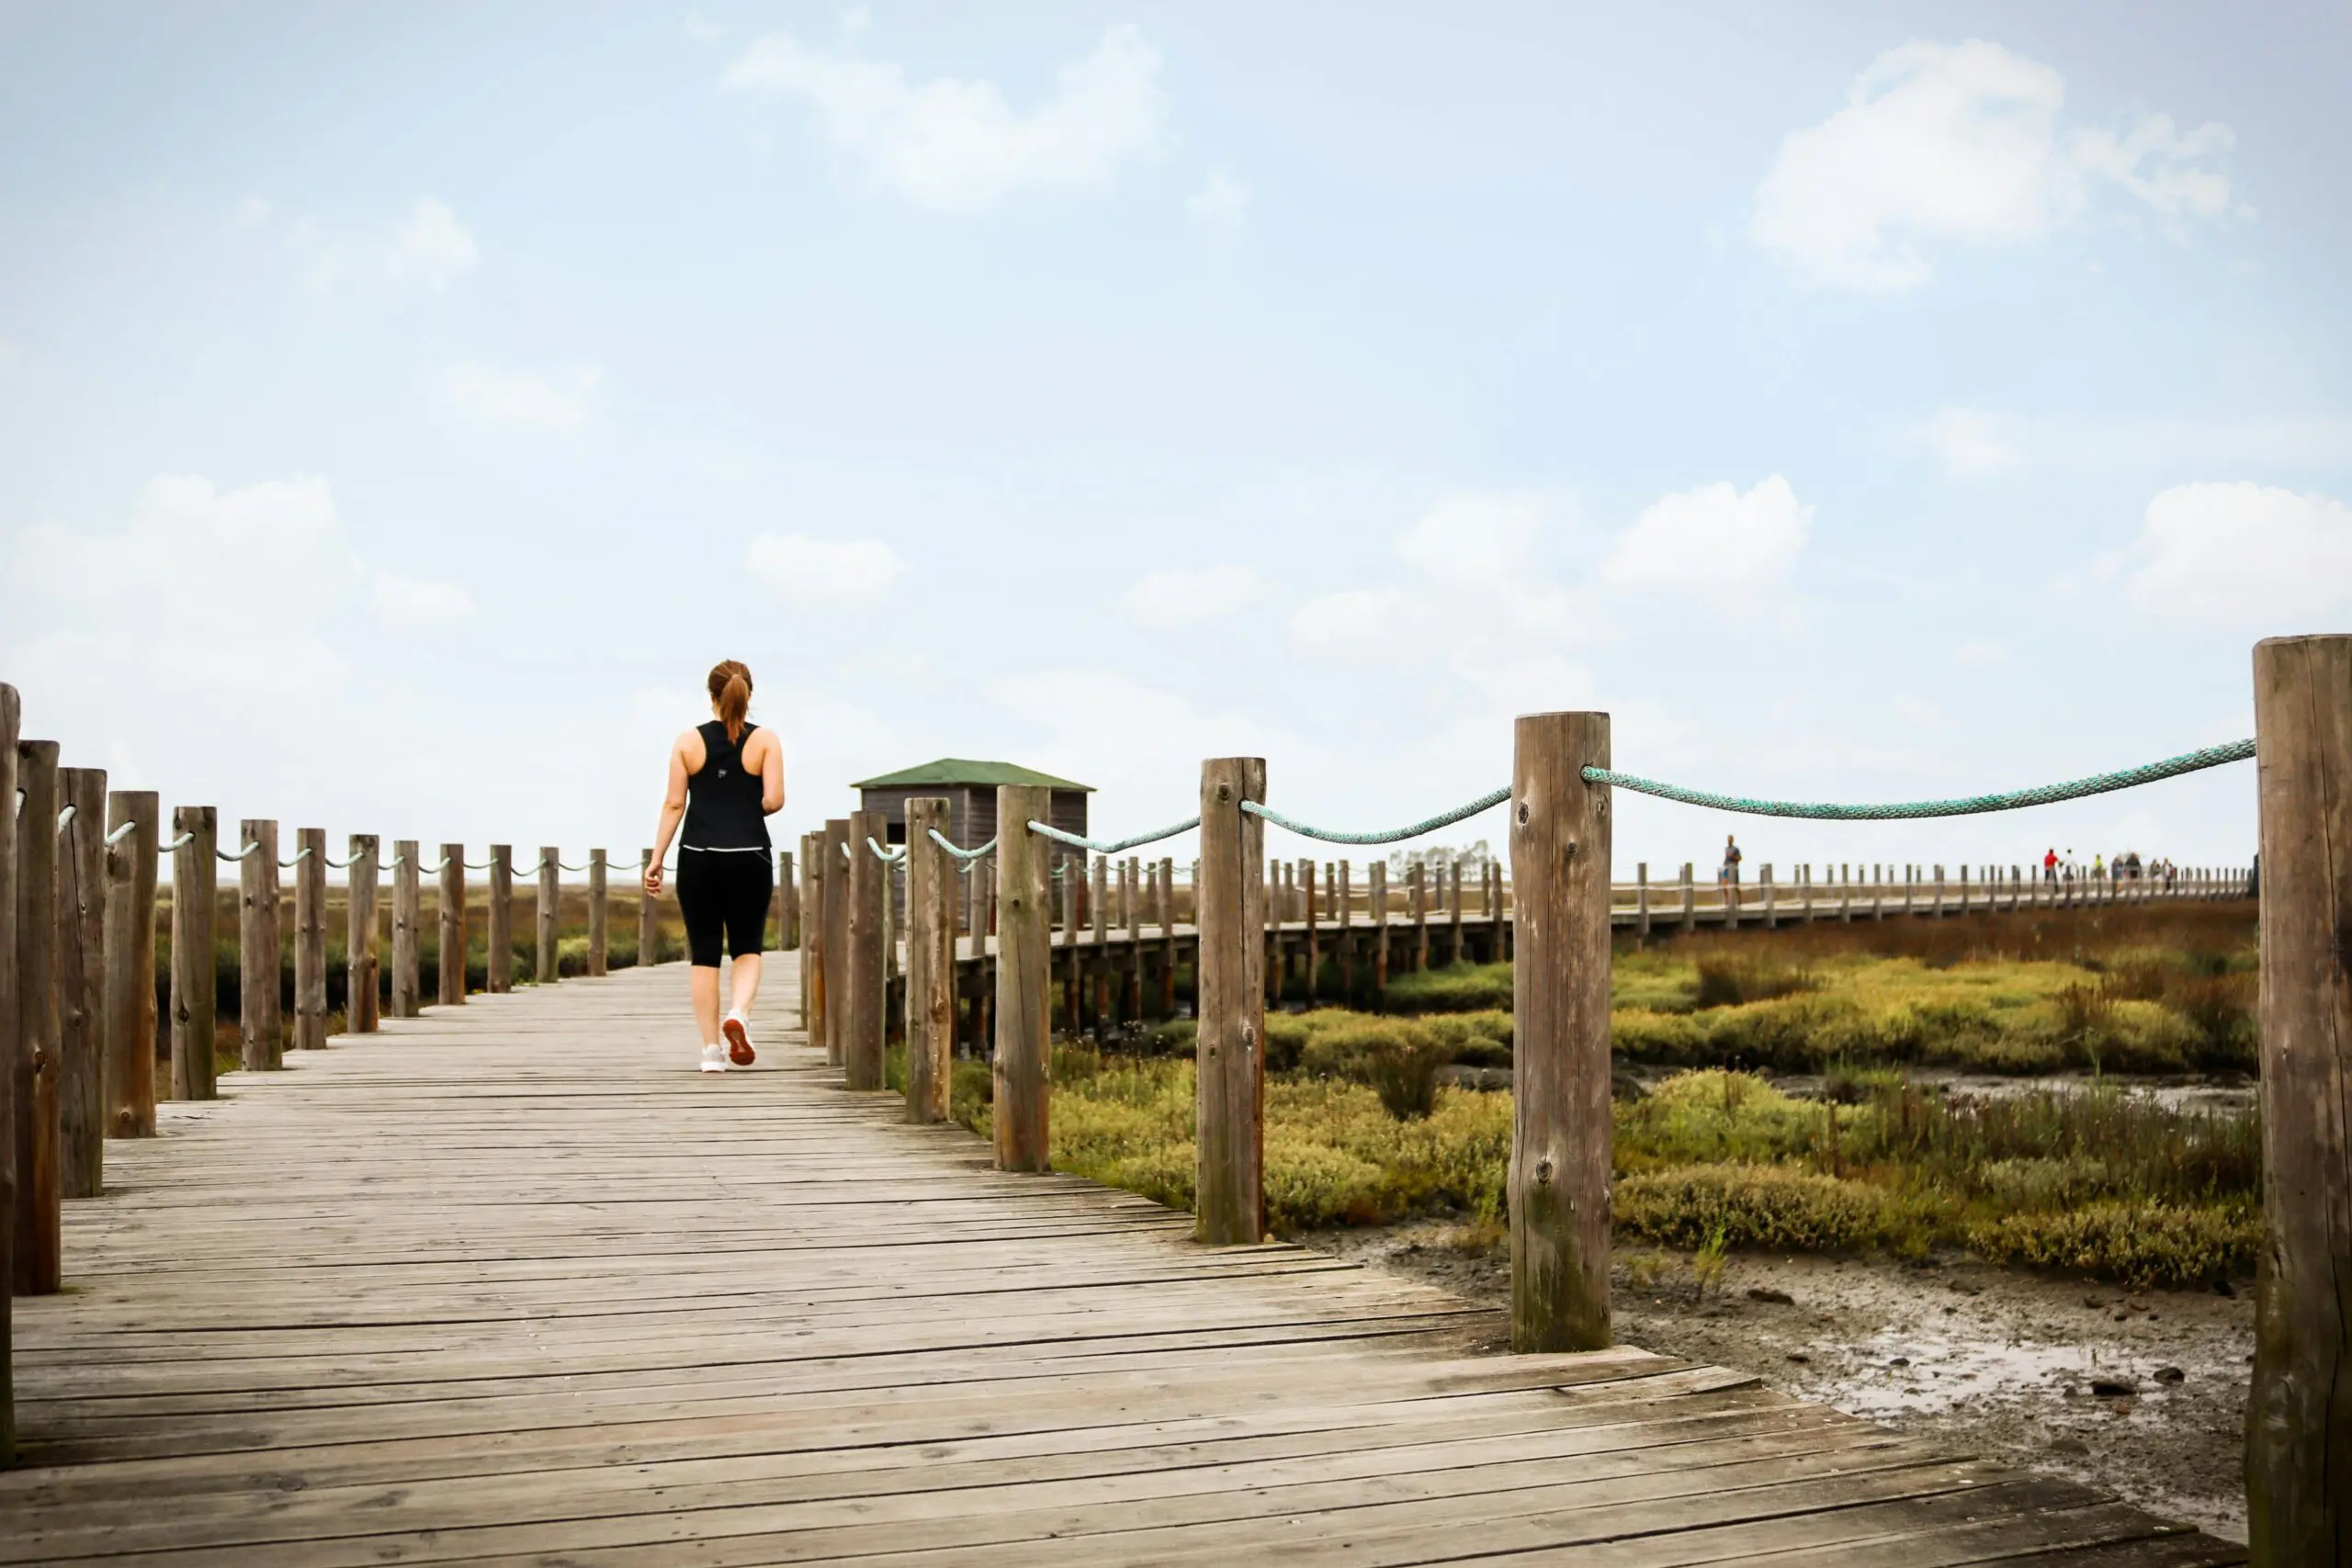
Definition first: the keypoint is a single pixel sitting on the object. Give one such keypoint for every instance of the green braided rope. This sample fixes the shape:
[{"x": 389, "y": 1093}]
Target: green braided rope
[
  {"x": 1111, "y": 849},
  {"x": 1429, "y": 825},
  {"x": 1970, "y": 805},
  {"x": 967, "y": 856},
  {"x": 887, "y": 857}
]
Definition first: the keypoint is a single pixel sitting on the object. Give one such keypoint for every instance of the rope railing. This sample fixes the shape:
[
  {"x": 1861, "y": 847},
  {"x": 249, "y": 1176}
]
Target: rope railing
[
  {"x": 1076, "y": 842},
  {"x": 119, "y": 834},
  {"x": 1389, "y": 836},
  {"x": 245, "y": 853},
  {"x": 887, "y": 857},
  {"x": 1966, "y": 805},
  {"x": 65, "y": 817},
  {"x": 181, "y": 842},
  {"x": 967, "y": 856},
  {"x": 300, "y": 856}
]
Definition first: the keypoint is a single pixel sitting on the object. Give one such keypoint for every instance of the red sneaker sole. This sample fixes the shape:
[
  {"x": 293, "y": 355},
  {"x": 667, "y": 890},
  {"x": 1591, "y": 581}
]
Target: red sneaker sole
[{"x": 738, "y": 1044}]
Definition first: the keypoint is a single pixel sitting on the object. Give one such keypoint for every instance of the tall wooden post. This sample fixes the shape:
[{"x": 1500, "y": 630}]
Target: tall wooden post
[
  {"x": 1343, "y": 897},
  {"x": 81, "y": 984},
  {"x": 548, "y": 911},
  {"x": 131, "y": 964},
  {"x": 450, "y": 981},
  {"x": 11, "y": 720},
  {"x": 1024, "y": 1017},
  {"x": 501, "y": 953},
  {"x": 260, "y": 1022},
  {"x": 2298, "y": 1415},
  {"x": 195, "y": 895},
  {"x": 1561, "y": 1134},
  {"x": 1101, "y": 903},
  {"x": 309, "y": 939},
  {"x": 1314, "y": 936},
  {"x": 1376, "y": 902},
  {"x": 1453, "y": 910},
  {"x": 408, "y": 909},
  {"x": 809, "y": 925},
  {"x": 931, "y": 961},
  {"x": 1764, "y": 887},
  {"x": 600, "y": 911},
  {"x": 1131, "y": 907},
  {"x": 833, "y": 976},
  {"x": 1230, "y": 987},
  {"x": 363, "y": 959},
  {"x": 1167, "y": 912},
  {"x": 1416, "y": 883},
  {"x": 32, "y": 1070},
  {"x": 863, "y": 975},
  {"x": 1067, "y": 870},
  {"x": 648, "y": 914},
  {"x": 787, "y": 914}
]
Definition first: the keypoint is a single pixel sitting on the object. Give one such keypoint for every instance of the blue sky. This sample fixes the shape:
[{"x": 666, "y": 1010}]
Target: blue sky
[{"x": 399, "y": 410}]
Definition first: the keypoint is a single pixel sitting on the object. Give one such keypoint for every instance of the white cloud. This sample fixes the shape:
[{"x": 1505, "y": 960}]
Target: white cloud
[
  {"x": 1959, "y": 144},
  {"x": 519, "y": 400},
  {"x": 1476, "y": 539},
  {"x": 418, "y": 600},
  {"x": 1221, "y": 206},
  {"x": 1733, "y": 550},
  {"x": 1969, "y": 443},
  {"x": 824, "y": 571},
  {"x": 956, "y": 145},
  {"x": 1174, "y": 597},
  {"x": 2245, "y": 555},
  {"x": 432, "y": 247},
  {"x": 1351, "y": 620}
]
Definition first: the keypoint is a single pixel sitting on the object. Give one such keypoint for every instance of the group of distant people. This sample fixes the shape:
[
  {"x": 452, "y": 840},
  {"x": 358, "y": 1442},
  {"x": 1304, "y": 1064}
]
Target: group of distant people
[
  {"x": 2055, "y": 869},
  {"x": 2125, "y": 867}
]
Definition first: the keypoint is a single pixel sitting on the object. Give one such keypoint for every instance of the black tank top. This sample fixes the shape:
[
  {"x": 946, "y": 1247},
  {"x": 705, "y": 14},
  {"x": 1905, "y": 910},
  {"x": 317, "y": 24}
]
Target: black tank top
[{"x": 723, "y": 796}]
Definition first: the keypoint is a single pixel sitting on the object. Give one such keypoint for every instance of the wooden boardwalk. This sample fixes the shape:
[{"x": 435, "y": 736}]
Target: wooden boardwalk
[{"x": 512, "y": 1284}]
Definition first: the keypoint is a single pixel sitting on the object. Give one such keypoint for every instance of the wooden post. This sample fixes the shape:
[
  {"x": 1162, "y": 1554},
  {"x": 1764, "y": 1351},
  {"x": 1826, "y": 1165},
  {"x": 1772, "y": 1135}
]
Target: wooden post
[
  {"x": 35, "y": 1222},
  {"x": 260, "y": 1027},
  {"x": 408, "y": 908},
  {"x": 1068, "y": 872},
  {"x": 931, "y": 961},
  {"x": 1845, "y": 891},
  {"x": 81, "y": 984},
  {"x": 549, "y": 910},
  {"x": 1641, "y": 899},
  {"x": 195, "y": 892},
  {"x": 1939, "y": 907},
  {"x": 1344, "y": 896},
  {"x": 599, "y": 910},
  {"x": 501, "y": 977},
  {"x": 1102, "y": 900},
  {"x": 1417, "y": 895},
  {"x": 450, "y": 982},
  {"x": 1727, "y": 894},
  {"x": 787, "y": 914},
  {"x": 648, "y": 914},
  {"x": 1131, "y": 906},
  {"x": 1168, "y": 938},
  {"x": 1022, "y": 1003},
  {"x": 11, "y": 720},
  {"x": 362, "y": 960},
  {"x": 1689, "y": 897},
  {"x": 834, "y": 990},
  {"x": 1805, "y": 894},
  {"x": 1307, "y": 911},
  {"x": 309, "y": 939},
  {"x": 863, "y": 973},
  {"x": 2298, "y": 1415},
  {"x": 1561, "y": 1132},
  {"x": 131, "y": 963},
  {"x": 1229, "y": 1047},
  {"x": 1764, "y": 886},
  {"x": 1377, "y": 896},
  {"x": 809, "y": 927}
]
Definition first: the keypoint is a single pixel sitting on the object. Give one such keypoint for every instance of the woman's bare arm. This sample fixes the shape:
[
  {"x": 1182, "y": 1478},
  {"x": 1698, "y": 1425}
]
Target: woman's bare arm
[
  {"x": 772, "y": 776},
  {"x": 674, "y": 809}
]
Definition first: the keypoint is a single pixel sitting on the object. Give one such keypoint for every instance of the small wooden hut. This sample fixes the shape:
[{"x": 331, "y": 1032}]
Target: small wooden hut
[{"x": 970, "y": 788}]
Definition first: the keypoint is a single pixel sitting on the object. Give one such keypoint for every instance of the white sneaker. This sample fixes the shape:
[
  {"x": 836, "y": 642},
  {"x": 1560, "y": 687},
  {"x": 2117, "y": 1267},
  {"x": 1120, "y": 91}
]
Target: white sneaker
[
  {"x": 714, "y": 1058},
  {"x": 738, "y": 1040}
]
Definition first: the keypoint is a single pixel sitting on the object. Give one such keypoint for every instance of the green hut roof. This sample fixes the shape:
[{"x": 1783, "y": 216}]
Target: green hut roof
[{"x": 961, "y": 771}]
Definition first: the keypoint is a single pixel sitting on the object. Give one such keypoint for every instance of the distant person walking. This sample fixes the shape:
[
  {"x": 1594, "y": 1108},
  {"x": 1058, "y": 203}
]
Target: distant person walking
[
  {"x": 726, "y": 781},
  {"x": 2050, "y": 866},
  {"x": 1727, "y": 875}
]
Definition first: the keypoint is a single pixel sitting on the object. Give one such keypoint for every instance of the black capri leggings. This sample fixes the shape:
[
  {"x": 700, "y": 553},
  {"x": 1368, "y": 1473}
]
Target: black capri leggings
[{"x": 724, "y": 896}]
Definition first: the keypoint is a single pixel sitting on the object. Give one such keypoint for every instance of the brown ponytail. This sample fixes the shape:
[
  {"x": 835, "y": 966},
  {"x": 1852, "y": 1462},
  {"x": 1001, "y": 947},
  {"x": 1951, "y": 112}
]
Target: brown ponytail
[{"x": 730, "y": 688}]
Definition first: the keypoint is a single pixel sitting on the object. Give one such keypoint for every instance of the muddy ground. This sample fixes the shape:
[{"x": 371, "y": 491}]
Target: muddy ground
[{"x": 2140, "y": 1394}]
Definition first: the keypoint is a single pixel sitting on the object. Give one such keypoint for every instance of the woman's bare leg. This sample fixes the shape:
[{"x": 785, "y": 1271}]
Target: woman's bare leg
[
  {"x": 746, "y": 984},
  {"x": 703, "y": 980}
]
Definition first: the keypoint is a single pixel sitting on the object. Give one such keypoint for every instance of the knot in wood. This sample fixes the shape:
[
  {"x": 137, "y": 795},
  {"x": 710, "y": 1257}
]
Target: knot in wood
[{"x": 1542, "y": 1170}]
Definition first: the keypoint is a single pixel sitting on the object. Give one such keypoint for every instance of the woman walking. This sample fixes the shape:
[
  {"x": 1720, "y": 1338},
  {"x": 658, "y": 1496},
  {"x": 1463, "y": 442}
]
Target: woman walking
[{"x": 726, "y": 781}]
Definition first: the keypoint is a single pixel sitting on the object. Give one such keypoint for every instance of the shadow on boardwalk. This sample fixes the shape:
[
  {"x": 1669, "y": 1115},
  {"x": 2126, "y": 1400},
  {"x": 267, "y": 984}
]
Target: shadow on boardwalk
[{"x": 512, "y": 1283}]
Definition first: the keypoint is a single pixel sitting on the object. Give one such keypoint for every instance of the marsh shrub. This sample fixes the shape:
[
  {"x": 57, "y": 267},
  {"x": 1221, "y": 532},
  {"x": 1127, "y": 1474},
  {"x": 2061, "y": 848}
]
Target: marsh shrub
[
  {"x": 1748, "y": 1205},
  {"x": 1310, "y": 1185},
  {"x": 1457, "y": 988},
  {"x": 2145, "y": 1243},
  {"x": 1726, "y": 982}
]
